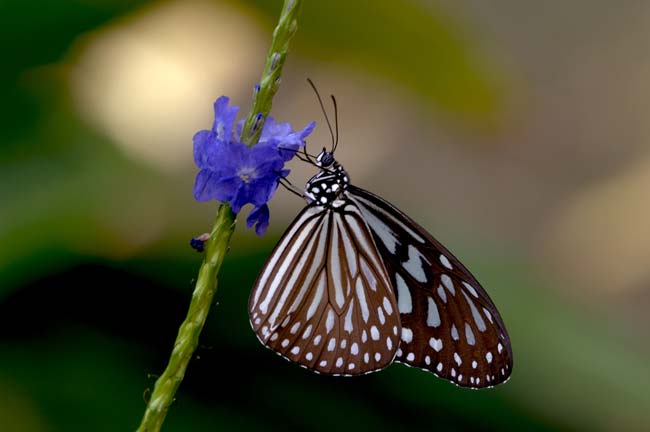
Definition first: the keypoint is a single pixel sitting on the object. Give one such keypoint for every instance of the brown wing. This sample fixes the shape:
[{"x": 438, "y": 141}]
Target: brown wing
[
  {"x": 449, "y": 324},
  {"x": 324, "y": 299}
]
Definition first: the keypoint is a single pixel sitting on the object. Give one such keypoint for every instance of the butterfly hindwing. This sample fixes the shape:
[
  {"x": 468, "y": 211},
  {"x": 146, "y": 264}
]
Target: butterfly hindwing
[
  {"x": 324, "y": 298},
  {"x": 449, "y": 324}
]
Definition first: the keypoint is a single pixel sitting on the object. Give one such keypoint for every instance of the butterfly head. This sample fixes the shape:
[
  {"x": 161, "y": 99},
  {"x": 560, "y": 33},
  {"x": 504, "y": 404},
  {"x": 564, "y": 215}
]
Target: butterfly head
[{"x": 325, "y": 159}]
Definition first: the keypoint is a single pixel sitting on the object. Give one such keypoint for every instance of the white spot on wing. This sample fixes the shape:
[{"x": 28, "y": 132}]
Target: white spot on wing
[
  {"x": 361, "y": 295},
  {"x": 387, "y": 306},
  {"x": 329, "y": 324},
  {"x": 454, "y": 332},
  {"x": 488, "y": 315},
  {"x": 470, "y": 289},
  {"x": 404, "y": 303},
  {"x": 445, "y": 262},
  {"x": 469, "y": 334},
  {"x": 436, "y": 344},
  {"x": 348, "y": 327},
  {"x": 414, "y": 265},
  {"x": 407, "y": 335},
  {"x": 370, "y": 277},
  {"x": 442, "y": 294},
  {"x": 447, "y": 282},
  {"x": 433, "y": 318}
]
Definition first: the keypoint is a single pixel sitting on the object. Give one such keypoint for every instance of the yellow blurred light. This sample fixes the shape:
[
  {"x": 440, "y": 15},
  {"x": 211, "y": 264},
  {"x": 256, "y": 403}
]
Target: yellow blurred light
[
  {"x": 602, "y": 237},
  {"x": 148, "y": 81}
]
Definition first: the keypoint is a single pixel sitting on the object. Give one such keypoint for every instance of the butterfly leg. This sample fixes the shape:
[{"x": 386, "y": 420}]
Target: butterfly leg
[{"x": 290, "y": 187}]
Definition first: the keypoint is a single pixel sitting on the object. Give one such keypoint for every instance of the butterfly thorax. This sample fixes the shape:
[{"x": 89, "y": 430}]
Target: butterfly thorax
[{"x": 326, "y": 187}]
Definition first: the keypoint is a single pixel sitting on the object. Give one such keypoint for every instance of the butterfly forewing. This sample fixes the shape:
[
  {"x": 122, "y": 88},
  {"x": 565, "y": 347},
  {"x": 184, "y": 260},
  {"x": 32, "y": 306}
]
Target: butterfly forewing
[
  {"x": 324, "y": 298},
  {"x": 449, "y": 324}
]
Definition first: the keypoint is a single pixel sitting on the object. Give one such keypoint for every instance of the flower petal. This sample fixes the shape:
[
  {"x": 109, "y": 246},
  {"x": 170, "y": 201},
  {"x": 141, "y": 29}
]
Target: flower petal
[
  {"x": 203, "y": 146},
  {"x": 224, "y": 118},
  {"x": 203, "y": 185},
  {"x": 238, "y": 127},
  {"x": 227, "y": 157},
  {"x": 267, "y": 157},
  {"x": 261, "y": 190},
  {"x": 272, "y": 129},
  {"x": 290, "y": 143},
  {"x": 260, "y": 218},
  {"x": 209, "y": 186}
]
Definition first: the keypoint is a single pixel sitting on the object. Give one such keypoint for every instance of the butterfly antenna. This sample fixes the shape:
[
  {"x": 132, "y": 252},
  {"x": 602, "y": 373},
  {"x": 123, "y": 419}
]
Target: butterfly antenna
[
  {"x": 322, "y": 107},
  {"x": 336, "y": 123}
]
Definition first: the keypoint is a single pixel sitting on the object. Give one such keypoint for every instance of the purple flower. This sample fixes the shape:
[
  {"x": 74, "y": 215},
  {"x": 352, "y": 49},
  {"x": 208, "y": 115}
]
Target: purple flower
[{"x": 232, "y": 172}]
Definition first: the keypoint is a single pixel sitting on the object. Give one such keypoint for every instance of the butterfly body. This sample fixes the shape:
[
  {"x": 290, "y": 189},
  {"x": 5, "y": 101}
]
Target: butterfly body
[
  {"x": 327, "y": 186},
  {"x": 355, "y": 284}
]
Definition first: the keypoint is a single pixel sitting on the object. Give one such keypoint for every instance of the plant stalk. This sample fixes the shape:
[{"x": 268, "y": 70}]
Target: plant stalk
[{"x": 217, "y": 245}]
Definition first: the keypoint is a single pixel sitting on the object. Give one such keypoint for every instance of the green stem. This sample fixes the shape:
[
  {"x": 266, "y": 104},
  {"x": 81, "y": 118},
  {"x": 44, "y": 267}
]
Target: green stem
[
  {"x": 270, "y": 80},
  {"x": 189, "y": 331},
  {"x": 217, "y": 245}
]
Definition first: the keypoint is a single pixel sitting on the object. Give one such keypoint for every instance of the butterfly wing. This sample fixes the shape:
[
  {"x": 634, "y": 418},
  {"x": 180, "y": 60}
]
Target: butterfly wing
[
  {"x": 324, "y": 299},
  {"x": 449, "y": 324}
]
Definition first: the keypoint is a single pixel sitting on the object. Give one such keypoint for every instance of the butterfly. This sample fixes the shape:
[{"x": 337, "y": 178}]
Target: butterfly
[{"x": 354, "y": 284}]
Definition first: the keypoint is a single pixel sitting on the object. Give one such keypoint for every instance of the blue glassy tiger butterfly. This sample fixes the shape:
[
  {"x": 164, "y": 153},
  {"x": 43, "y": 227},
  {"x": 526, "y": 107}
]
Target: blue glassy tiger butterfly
[{"x": 355, "y": 284}]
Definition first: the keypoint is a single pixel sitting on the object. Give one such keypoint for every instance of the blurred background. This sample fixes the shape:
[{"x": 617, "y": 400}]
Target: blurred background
[{"x": 517, "y": 132}]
